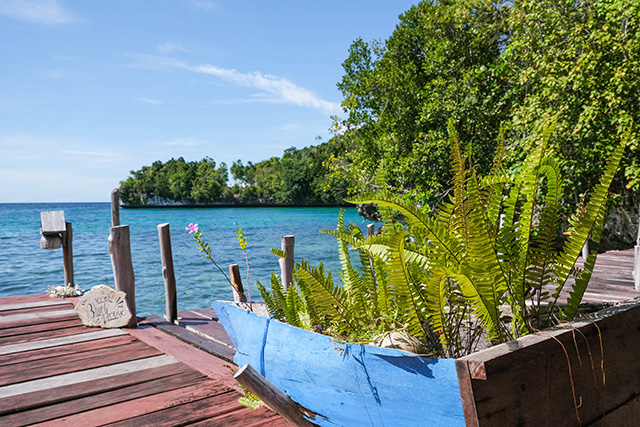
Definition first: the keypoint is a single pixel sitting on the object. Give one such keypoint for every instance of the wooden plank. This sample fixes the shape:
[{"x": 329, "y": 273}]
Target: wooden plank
[
  {"x": 53, "y": 342},
  {"x": 32, "y": 304},
  {"x": 52, "y": 222},
  {"x": 148, "y": 410},
  {"x": 72, "y": 392},
  {"x": 34, "y": 336},
  {"x": 86, "y": 375},
  {"x": 58, "y": 365},
  {"x": 104, "y": 399},
  {"x": 36, "y": 310},
  {"x": 39, "y": 327},
  {"x": 261, "y": 417},
  {"x": 188, "y": 412},
  {"x": 37, "y": 321},
  {"x": 596, "y": 360},
  {"x": 219, "y": 349},
  {"x": 38, "y": 315},
  {"x": 18, "y": 299},
  {"x": 45, "y": 353},
  {"x": 211, "y": 366}
]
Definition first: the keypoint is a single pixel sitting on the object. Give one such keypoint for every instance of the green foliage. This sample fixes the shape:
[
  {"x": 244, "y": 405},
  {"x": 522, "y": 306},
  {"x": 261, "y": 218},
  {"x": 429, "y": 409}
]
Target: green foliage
[
  {"x": 177, "y": 180},
  {"x": 448, "y": 276},
  {"x": 492, "y": 244},
  {"x": 300, "y": 177},
  {"x": 441, "y": 62},
  {"x": 483, "y": 63}
]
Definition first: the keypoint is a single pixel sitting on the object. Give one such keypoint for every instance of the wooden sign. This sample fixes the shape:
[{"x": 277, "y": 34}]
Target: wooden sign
[
  {"x": 104, "y": 307},
  {"x": 52, "y": 222}
]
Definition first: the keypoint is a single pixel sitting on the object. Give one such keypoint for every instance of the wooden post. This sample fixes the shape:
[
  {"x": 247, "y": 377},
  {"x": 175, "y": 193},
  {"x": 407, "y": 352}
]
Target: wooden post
[
  {"x": 287, "y": 264},
  {"x": 585, "y": 250},
  {"x": 236, "y": 284},
  {"x": 120, "y": 250},
  {"x": 115, "y": 207},
  {"x": 636, "y": 258},
  {"x": 168, "y": 274},
  {"x": 274, "y": 398},
  {"x": 67, "y": 254},
  {"x": 371, "y": 228}
]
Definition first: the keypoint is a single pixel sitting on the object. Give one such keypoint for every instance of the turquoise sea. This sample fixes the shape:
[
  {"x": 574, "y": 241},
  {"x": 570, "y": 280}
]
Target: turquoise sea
[{"x": 27, "y": 269}]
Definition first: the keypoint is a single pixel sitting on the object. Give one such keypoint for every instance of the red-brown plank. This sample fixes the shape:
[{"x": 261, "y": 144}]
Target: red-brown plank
[
  {"x": 206, "y": 363},
  {"x": 46, "y": 353},
  {"x": 106, "y": 398},
  {"x": 42, "y": 398},
  {"x": 35, "y": 336},
  {"x": 20, "y": 330},
  {"x": 43, "y": 368},
  {"x": 28, "y": 310},
  {"x": 40, "y": 320},
  {"x": 187, "y": 412},
  {"x": 18, "y": 299},
  {"x": 222, "y": 397}
]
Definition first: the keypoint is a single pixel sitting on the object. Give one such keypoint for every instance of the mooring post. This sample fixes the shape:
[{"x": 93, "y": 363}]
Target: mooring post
[
  {"x": 287, "y": 264},
  {"x": 115, "y": 207},
  {"x": 120, "y": 250},
  {"x": 67, "y": 255},
  {"x": 236, "y": 284},
  {"x": 171, "y": 303}
]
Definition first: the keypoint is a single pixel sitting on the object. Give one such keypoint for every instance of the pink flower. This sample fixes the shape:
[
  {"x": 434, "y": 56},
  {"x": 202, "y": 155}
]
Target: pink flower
[{"x": 192, "y": 228}]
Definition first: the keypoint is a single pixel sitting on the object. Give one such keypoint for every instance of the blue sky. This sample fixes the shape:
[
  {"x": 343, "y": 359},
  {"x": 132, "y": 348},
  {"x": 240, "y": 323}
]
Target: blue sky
[{"x": 90, "y": 90}]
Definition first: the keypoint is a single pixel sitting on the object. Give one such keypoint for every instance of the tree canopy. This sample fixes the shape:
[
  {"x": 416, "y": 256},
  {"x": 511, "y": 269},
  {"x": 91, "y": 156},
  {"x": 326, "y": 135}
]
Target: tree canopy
[{"x": 487, "y": 65}]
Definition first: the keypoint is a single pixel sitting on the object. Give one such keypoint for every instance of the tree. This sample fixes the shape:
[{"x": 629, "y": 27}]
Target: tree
[{"x": 442, "y": 62}]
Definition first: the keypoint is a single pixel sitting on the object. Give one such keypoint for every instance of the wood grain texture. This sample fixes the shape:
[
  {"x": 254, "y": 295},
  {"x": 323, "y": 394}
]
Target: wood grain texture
[{"x": 574, "y": 375}]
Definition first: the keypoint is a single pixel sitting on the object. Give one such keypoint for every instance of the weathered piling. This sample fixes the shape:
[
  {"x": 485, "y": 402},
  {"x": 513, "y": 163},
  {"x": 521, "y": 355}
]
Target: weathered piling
[
  {"x": 67, "y": 255},
  {"x": 168, "y": 274},
  {"x": 287, "y": 264},
  {"x": 115, "y": 207},
  {"x": 123, "y": 276},
  {"x": 236, "y": 284}
]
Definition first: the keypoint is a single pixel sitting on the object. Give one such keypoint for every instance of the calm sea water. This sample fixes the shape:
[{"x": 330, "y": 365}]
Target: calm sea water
[{"x": 27, "y": 269}]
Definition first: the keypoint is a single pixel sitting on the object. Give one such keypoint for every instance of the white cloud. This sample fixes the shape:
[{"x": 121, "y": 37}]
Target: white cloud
[
  {"x": 201, "y": 4},
  {"x": 273, "y": 89},
  {"x": 48, "y": 12},
  {"x": 150, "y": 101},
  {"x": 168, "y": 47},
  {"x": 95, "y": 154},
  {"x": 184, "y": 142}
]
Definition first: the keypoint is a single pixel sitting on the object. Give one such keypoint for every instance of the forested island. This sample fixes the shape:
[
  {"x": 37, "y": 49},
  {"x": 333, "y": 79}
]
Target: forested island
[
  {"x": 298, "y": 178},
  {"x": 493, "y": 71}
]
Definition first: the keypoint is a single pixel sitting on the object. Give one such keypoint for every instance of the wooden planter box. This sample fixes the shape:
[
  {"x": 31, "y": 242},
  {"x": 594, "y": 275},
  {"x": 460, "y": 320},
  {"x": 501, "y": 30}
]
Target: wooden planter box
[
  {"x": 521, "y": 383},
  {"x": 533, "y": 381}
]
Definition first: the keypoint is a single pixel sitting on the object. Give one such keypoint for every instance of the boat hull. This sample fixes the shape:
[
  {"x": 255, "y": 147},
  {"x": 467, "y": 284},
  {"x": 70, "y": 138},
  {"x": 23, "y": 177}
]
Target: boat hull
[{"x": 345, "y": 384}]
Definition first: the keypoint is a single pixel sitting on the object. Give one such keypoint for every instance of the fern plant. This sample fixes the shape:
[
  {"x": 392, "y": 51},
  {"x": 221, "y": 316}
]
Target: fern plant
[
  {"x": 492, "y": 245},
  {"x": 484, "y": 264}
]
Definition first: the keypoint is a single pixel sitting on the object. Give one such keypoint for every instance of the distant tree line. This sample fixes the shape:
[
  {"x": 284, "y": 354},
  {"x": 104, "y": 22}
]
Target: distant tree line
[{"x": 299, "y": 178}]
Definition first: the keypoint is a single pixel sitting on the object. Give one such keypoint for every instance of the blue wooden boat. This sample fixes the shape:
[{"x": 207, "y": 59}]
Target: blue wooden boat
[{"x": 345, "y": 384}]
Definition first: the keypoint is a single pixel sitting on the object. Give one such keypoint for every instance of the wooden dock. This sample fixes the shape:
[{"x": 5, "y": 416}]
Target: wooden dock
[
  {"x": 612, "y": 279},
  {"x": 55, "y": 371}
]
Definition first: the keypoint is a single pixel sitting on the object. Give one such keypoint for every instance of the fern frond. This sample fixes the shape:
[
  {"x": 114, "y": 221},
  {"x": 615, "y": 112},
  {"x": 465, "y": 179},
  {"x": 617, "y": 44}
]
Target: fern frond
[
  {"x": 330, "y": 298},
  {"x": 278, "y": 252},
  {"x": 588, "y": 222}
]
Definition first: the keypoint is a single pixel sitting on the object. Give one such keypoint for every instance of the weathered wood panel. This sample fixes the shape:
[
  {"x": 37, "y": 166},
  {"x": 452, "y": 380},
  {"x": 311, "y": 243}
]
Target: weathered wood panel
[
  {"x": 565, "y": 377},
  {"x": 53, "y": 371}
]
